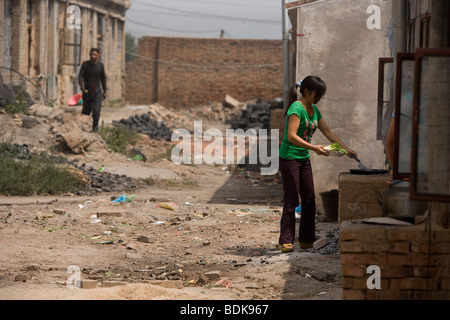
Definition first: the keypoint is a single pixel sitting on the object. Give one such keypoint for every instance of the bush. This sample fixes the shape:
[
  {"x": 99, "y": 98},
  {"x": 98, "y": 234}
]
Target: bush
[
  {"x": 118, "y": 137},
  {"x": 36, "y": 175}
]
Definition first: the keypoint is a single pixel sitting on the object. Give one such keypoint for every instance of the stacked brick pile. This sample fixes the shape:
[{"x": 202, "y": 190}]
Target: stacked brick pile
[{"x": 414, "y": 263}]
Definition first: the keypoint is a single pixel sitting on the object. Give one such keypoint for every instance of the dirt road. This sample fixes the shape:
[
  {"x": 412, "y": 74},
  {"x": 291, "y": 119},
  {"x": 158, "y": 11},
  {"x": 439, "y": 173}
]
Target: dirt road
[{"x": 196, "y": 232}]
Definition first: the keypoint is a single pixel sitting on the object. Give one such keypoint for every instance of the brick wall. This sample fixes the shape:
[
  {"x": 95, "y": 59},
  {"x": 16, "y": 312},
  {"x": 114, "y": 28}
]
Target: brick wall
[
  {"x": 414, "y": 262},
  {"x": 185, "y": 72},
  {"x": 358, "y": 195}
]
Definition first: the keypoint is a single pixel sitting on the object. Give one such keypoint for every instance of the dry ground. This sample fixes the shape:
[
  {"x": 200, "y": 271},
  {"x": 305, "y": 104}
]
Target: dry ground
[{"x": 225, "y": 221}]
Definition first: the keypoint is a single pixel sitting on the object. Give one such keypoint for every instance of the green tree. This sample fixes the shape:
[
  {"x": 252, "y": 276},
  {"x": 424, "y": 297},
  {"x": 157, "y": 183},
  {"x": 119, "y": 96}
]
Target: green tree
[{"x": 130, "y": 47}]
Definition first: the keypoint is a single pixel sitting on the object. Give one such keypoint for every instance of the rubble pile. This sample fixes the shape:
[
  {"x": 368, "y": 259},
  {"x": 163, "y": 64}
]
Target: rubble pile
[
  {"x": 104, "y": 181},
  {"x": 19, "y": 151},
  {"x": 145, "y": 125},
  {"x": 99, "y": 181},
  {"x": 332, "y": 246},
  {"x": 254, "y": 116}
]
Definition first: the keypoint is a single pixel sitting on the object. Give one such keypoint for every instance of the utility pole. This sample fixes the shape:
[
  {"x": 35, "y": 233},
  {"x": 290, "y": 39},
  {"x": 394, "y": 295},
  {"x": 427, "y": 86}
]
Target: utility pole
[{"x": 285, "y": 21}]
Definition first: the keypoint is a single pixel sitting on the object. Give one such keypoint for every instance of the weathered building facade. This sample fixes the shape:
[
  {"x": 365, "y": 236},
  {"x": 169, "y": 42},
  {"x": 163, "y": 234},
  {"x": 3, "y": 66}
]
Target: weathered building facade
[
  {"x": 45, "y": 42},
  {"x": 332, "y": 39}
]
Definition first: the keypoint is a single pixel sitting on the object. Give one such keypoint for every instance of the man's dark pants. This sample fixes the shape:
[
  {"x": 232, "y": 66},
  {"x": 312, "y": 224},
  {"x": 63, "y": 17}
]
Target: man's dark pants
[{"x": 92, "y": 103}]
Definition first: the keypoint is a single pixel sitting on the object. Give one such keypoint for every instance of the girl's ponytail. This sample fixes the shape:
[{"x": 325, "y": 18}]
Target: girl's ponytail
[
  {"x": 294, "y": 94},
  {"x": 311, "y": 83}
]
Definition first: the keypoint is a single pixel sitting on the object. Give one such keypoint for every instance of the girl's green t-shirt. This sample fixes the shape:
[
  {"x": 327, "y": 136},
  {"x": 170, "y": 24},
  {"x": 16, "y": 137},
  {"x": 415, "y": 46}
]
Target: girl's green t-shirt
[{"x": 308, "y": 125}]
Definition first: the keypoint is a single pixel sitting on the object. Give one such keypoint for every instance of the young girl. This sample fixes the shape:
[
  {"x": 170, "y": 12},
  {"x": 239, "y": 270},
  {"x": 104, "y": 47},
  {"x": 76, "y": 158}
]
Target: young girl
[{"x": 302, "y": 119}]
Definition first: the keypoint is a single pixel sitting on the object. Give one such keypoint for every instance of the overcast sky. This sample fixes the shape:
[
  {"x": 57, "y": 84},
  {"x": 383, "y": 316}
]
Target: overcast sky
[{"x": 239, "y": 19}]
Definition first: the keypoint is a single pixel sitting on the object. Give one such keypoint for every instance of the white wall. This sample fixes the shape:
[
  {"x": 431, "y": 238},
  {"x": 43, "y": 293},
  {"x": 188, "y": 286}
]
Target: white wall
[{"x": 338, "y": 47}]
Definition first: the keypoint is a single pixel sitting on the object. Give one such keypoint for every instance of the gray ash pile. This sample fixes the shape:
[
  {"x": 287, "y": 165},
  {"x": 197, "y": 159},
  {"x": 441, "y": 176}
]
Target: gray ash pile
[
  {"x": 145, "y": 125},
  {"x": 332, "y": 246}
]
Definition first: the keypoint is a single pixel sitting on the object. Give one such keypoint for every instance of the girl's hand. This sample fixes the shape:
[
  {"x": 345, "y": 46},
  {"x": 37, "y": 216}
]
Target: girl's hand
[
  {"x": 351, "y": 153},
  {"x": 320, "y": 150}
]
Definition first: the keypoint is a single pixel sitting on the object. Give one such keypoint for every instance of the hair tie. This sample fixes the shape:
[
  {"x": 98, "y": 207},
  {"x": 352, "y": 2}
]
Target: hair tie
[{"x": 299, "y": 84}]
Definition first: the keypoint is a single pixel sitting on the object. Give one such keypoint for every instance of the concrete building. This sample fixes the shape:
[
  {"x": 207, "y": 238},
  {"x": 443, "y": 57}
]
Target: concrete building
[
  {"x": 341, "y": 41},
  {"x": 45, "y": 42},
  {"x": 410, "y": 253}
]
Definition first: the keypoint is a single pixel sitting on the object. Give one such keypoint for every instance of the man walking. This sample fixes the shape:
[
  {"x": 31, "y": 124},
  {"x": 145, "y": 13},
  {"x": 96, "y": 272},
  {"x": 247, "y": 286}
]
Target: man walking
[{"x": 92, "y": 81}]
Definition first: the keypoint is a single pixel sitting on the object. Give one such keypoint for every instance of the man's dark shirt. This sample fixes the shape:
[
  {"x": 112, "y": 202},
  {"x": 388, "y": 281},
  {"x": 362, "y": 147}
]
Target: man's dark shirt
[{"x": 92, "y": 75}]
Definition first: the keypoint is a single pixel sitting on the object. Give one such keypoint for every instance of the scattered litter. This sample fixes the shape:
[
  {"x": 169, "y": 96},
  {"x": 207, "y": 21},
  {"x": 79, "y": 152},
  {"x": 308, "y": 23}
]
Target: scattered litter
[
  {"x": 137, "y": 157},
  {"x": 159, "y": 222},
  {"x": 131, "y": 198},
  {"x": 105, "y": 242},
  {"x": 96, "y": 220},
  {"x": 247, "y": 211},
  {"x": 166, "y": 205},
  {"x": 122, "y": 198},
  {"x": 81, "y": 206},
  {"x": 224, "y": 282}
]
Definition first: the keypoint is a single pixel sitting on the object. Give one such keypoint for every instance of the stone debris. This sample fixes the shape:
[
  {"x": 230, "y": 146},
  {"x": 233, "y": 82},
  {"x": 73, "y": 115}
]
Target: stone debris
[
  {"x": 254, "y": 116},
  {"x": 230, "y": 102},
  {"x": 29, "y": 122},
  {"x": 16, "y": 150},
  {"x": 76, "y": 137},
  {"x": 21, "y": 277},
  {"x": 332, "y": 246},
  {"x": 104, "y": 181},
  {"x": 144, "y": 124},
  {"x": 320, "y": 243},
  {"x": 325, "y": 276}
]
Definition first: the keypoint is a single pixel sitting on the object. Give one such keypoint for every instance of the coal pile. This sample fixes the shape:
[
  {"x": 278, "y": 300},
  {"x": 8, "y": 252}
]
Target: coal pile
[
  {"x": 332, "y": 246},
  {"x": 104, "y": 181},
  {"x": 16, "y": 150},
  {"x": 145, "y": 125},
  {"x": 254, "y": 116}
]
